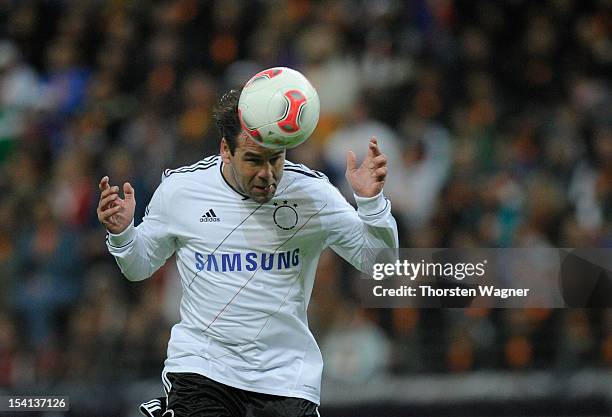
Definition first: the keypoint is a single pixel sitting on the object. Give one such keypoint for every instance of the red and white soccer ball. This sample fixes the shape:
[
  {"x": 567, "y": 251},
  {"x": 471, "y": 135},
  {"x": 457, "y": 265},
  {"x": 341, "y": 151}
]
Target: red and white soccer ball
[{"x": 279, "y": 108}]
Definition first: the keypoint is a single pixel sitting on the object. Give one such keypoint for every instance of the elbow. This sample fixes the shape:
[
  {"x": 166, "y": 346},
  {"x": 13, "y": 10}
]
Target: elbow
[
  {"x": 134, "y": 277},
  {"x": 134, "y": 270}
]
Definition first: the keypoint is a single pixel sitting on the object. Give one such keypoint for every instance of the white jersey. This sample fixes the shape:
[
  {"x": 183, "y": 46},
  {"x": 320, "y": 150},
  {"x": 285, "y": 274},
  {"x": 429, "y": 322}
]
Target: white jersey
[{"x": 248, "y": 269}]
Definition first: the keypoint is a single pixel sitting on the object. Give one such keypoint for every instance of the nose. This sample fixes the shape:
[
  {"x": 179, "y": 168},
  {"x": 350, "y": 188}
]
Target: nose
[{"x": 266, "y": 173}]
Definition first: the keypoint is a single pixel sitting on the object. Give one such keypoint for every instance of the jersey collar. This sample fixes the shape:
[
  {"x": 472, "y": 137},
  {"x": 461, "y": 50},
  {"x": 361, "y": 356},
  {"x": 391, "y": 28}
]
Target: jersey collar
[{"x": 229, "y": 186}]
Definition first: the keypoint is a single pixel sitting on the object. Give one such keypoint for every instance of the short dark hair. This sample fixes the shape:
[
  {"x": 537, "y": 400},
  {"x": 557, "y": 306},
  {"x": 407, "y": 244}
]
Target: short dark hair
[{"x": 226, "y": 118}]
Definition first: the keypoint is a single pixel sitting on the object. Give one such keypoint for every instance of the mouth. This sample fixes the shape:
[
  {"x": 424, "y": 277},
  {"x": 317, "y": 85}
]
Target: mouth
[{"x": 264, "y": 189}]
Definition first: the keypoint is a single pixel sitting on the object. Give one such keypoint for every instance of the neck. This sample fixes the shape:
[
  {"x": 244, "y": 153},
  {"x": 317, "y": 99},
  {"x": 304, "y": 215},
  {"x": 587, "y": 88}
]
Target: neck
[{"x": 228, "y": 173}]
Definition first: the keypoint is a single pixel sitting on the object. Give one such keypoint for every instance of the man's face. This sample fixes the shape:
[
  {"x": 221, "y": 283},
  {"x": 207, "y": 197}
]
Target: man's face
[{"x": 254, "y": 170}]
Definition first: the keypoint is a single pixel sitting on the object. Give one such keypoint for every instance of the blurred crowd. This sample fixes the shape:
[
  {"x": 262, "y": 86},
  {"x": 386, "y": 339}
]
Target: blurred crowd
[{"x": 496, "y": 117}]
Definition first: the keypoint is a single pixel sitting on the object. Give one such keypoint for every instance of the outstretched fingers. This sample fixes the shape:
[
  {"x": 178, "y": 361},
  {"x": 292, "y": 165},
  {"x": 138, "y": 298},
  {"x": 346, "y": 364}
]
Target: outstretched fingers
[
  {"x": 106, "y": 201},
  {"x": 380, "y": 174},
  {"x": 351, "y": 161},
  {"x": 108, "y": 213},
  {"x": 114, "y": 212},
  {"x": 373, "y": 148},
  {"x": 128, "y": 190},
  {"x": 108, "y": 196},
  {"x": 378, "y": 161},
  {"x": 103, "y": 185}
]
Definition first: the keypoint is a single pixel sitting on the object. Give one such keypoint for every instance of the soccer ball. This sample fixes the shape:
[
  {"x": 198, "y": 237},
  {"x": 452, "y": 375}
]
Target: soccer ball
[{"x": 279, "y": 108}]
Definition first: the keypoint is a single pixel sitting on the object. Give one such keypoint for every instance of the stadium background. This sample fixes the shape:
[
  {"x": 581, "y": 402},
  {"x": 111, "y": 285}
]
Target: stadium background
[{"x": 496, "y": 118}]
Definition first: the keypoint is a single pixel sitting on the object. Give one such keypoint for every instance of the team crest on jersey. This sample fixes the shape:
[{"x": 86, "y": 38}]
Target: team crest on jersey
[{"x": 285, "y": 215}]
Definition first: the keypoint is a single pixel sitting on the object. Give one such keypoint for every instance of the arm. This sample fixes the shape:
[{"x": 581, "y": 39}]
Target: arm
[
  {"x": 139, "y": 251},
  {"x": 356, "y": 235}
]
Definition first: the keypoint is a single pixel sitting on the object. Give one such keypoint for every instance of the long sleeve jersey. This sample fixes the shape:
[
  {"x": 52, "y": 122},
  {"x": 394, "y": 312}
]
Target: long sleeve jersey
[{"x": 248, "y": 269}]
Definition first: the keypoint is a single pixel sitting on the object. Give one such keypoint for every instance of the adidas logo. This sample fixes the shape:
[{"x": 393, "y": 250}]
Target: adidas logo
[{"x": 209, "y": 216}]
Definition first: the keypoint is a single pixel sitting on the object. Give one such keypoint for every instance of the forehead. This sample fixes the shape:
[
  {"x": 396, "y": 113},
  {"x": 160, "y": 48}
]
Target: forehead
[{"x": 246, "y": 145}]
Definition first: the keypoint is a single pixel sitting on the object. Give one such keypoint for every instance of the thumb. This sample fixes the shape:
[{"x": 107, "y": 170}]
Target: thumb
[
  {"x": 351, "y": 161},
  {"x": 128, "y": 190}
]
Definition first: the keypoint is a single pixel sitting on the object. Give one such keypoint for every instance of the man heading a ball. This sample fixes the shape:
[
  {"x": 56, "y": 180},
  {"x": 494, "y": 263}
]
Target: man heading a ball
[{"x": 247, "y": 228}]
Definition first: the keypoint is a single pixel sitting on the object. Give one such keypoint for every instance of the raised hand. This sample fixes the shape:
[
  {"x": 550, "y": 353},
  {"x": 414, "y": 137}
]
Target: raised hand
[
  {"x": 115, "y": 213},
  {"x": 367, "y": 180}
]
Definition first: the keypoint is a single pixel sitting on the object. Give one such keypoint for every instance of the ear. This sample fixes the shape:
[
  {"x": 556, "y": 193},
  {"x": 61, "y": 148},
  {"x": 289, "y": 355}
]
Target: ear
[{"x": 224, "y": 151}]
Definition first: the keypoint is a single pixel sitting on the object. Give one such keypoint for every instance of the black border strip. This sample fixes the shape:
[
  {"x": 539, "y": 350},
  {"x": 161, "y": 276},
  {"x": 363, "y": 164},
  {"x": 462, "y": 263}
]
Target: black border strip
[
  {"x": 302, "y": 167},
  {"x": 308, "y": 174},
  {"x": 117, "y": 247},
  {"x": 382, "y": 211},
  {"x": 185, "y": 170},
  {"x": 244, "y": 197},
  {"x": 204, "y": 161}
]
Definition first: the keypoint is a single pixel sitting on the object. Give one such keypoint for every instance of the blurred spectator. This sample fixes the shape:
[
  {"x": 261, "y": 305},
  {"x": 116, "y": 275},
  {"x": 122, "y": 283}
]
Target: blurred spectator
[
  {"x": 9, "y": 351},
  {"x": 351, "y": 136},
  {"x": 19, "y": 94},
  {"x": 426, "y": 164},
  {"x": 66, "y": 81},
  {"x": 47, "y": 264},
  {"x": 334, "y": 74},
  {"x": 355, "y": 349}
]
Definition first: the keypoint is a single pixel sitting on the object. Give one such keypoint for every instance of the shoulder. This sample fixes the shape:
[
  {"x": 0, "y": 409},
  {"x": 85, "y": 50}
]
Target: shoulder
[
  {"x": 191, "y": 179},
  {"x": 304, "y": 180},
  {"x": 193, "y": 171},
  {"x": 301, "y": 171}
]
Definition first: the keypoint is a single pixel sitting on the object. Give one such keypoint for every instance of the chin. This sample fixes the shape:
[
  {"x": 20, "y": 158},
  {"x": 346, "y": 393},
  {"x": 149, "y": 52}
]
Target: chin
[{"x": 262, "y": 199}]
